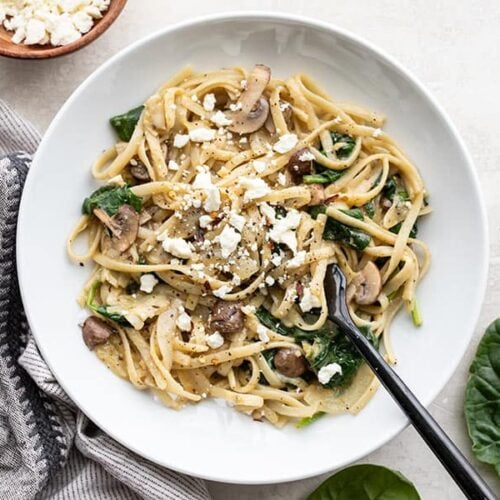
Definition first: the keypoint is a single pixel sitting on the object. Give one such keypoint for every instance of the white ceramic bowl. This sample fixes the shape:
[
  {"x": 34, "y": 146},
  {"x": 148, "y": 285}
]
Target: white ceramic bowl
[{"x": 208, "y": 440}]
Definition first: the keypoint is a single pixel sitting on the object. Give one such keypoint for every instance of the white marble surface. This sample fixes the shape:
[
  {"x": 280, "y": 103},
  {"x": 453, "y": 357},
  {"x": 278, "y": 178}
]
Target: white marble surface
[{"x": 453, "y": 47}]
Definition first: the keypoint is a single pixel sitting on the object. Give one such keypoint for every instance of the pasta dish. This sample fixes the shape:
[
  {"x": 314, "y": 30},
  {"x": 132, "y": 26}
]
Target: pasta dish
[{"x": 221, "y": 206}]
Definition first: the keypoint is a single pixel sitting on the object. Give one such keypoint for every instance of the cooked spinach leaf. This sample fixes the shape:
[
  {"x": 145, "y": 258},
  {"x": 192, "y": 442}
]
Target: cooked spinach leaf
[
  {"x": 125, "y": 123},
  {"x": 102, "y": 309},
  {"x": 366, "y": 482},
  {"x": 369, "y": 209},
  {"x": 322, "y": 347},
  {"x": 348, "y": 144},
  {"x": 482, "y": 398},
  {"x": 304, "y": 422},
  {"x": 415, "y": 314},
  {"x": 337, "y": 231},
  {"x": 323, "y": 175},
  {"x": 110, "y": 199},
  {"x": 393, "y": 187},
  {"x": 413, "y": 233}
]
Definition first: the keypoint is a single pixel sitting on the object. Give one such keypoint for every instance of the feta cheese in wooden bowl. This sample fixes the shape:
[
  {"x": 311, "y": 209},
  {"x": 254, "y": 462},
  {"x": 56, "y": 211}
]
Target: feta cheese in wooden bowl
[{"x": 39, "y": 29}]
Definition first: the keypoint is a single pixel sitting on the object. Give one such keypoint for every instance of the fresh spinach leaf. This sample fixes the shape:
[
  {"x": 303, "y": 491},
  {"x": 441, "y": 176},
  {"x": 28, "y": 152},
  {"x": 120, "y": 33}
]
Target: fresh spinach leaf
[
  {"x": 125, "y": 123},
  {"x": 324, "y": 346},
  {"x": 482, "y": 398},
  {"x": 413, "y": 233},
  {"x": 366, "y": 482},
  {"x": 304, "y": 422},
  {"x": 102, "y": 309},
  {"x": 110, "y": 199},
  {"x": 337, "y": 231}
]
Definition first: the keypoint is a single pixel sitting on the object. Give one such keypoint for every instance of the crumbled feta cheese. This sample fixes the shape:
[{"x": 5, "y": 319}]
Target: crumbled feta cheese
[
  {"x": 326, "y": 373},
  {"x": 148, "y": 282},
  {"x": 203, "y": 180},
  {"x": 259, "y": 165},
  {"x": 306, "y": 156},
  {"x": 283, "y": 230},
  {"x": 220, "y": 119},
  {"x": 82, "y": 21},
  {"x": 286, "y": 143},
  {"x": 176, "y": 246},
  {"x": 183, "y": 321},
  {"x": 277, "y": 258},
  {"x": 202, "y": 134},
  {"x": 180, "y": 140},
  {"x": 268, "y": 212},
  {"x": 262, "y": 333},
  {"x": 237, "y": 221},
  {"x": 282, "y": 179},
  {"x": 377, "y": 132},
  {"x": 284, "y": 105},
  {"x": 254, "y": 188},
  {"x": 222, "y": 291},
  {"x": 228, "y": 240},
  {"x": 248, "y": 309},
  {"x": 173, "y": 165},
  {"x": 194, "y": 98},
  {"x": 198, "y": 266},
  {"x": 243, "y": 84},
  {"x": 297, "y": 261},
  {"x": 58, "y": 22},
  {"x": 269, "y": 281},
  {"x": 209, "y": 102},
  {"x": 35, "y": 32},
  {"x": 236, "y": 281},
  {"x": 243, "y": 140},
  {"x": 215, "y": 340},
  {"x": 309, "y": 300},
  {"x": 236, "y": 106},
  {"x": 205, "y": 221}
]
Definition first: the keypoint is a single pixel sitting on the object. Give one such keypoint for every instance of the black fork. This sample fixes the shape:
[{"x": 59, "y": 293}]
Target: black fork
[{"x": 466, "y": 477}]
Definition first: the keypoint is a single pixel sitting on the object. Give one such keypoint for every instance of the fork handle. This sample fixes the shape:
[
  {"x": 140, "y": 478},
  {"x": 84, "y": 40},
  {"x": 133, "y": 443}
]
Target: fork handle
[{"x": 466, "y": 477}]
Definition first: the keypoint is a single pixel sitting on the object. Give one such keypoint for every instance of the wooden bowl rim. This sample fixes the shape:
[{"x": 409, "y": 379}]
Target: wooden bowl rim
[{"x": 48, "y": 51}]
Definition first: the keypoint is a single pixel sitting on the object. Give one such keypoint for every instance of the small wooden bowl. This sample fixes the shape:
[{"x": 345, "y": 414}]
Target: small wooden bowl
[{"x": 21, "y": 51}]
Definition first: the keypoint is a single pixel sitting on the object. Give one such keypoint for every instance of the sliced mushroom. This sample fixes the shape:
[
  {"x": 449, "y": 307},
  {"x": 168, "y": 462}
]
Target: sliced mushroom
[
  {"x": 368, "y": 284},
  {"x": 124, "y": 226},
  {"x": 297, "y": 167},
  {"x": 227, "y": 317},
  {"x": 317, "y": 194},
  {"x": 269, "y": 125},
  {"x": 95, "y": 331},
  {"x": 290, "y": 362},
  {"x": 254, "y": 108},
  {"x": 139, "y": 171},
  {"x": 252, "y": 121}
]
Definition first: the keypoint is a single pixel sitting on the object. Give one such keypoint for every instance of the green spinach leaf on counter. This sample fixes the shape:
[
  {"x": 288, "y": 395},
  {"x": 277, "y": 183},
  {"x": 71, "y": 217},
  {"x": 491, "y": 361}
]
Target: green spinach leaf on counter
[
  {"x": 482, "y": 398},
  {"x": 366, "y": 482}
]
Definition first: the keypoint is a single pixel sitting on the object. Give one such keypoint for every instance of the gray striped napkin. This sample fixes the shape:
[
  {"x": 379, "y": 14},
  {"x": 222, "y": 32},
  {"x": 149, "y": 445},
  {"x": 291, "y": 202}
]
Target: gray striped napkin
[{"x": 48, "y": 448}]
